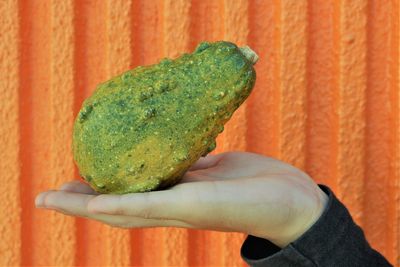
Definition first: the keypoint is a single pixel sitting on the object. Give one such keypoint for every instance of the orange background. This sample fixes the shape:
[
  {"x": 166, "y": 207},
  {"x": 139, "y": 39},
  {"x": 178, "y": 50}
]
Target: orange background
[{"x": 326, "y": 100}]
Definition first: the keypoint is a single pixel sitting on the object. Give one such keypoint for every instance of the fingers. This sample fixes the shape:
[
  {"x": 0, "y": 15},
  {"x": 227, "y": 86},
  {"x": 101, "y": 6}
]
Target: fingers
[
  {"x": 206, "y": 162},
  {"x": 145, "y": 205},
  {"x": 78, "y": 187},
  {"x": 76, "y": 204},
  {"x": 170, "y": 204}
]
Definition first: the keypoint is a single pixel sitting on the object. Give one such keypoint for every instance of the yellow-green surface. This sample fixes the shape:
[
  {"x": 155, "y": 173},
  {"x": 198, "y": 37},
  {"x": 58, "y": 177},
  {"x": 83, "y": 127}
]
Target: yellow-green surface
[{"x": 141, "y": 131}]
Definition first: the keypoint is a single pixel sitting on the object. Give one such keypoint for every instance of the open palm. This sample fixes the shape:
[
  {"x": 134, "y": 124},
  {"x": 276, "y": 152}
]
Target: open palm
[{"x": 234, "y": 191}]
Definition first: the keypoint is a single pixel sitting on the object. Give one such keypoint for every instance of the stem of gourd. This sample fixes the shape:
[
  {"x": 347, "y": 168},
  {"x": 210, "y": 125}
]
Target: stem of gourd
[{"x": 249, "y": 54}]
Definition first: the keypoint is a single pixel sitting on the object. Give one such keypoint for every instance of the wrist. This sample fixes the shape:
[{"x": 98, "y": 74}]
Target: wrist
[{"x": 305, "y": 218}]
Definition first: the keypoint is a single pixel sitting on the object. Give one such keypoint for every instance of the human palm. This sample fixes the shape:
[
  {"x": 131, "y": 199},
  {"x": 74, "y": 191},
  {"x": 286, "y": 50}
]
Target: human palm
[{"x": 234, "y": 191}]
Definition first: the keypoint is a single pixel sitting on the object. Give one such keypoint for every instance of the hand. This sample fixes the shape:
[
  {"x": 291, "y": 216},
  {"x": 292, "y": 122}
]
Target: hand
[{"x": 240, "y": 192}]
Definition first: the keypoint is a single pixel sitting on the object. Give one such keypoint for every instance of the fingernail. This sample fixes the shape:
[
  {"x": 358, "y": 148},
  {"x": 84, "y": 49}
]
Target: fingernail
[{"x": 39, "y": 200}]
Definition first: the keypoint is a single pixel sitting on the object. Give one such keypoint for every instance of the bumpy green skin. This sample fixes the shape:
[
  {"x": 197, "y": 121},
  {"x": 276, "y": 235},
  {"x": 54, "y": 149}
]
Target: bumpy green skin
[{"x": 143, "y": 129}]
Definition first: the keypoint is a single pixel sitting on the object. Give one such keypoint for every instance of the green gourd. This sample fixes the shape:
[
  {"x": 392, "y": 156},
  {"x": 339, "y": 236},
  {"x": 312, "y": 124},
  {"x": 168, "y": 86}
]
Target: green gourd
[{"x": 141, "y": 130}]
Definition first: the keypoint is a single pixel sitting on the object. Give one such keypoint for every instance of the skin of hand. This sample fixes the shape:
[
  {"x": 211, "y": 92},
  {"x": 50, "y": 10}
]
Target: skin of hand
[{"x": 230, "y": 192}]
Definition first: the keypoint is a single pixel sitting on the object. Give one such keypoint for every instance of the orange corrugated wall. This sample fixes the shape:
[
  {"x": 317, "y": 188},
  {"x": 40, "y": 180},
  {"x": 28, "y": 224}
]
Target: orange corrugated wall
[{"x": 326, "y": 100}]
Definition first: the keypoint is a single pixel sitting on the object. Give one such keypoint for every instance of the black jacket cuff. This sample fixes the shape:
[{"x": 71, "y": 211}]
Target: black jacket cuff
[{"x": 334, "y": 240}]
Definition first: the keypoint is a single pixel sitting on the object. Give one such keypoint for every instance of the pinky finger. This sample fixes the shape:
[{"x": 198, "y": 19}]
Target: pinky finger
[
  {"x": 128, "y": 222},
  {"x": 125, "y": 221}
]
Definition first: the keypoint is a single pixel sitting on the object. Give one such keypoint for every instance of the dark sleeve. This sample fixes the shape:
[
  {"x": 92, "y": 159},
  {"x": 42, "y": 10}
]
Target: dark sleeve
[{"x": 334, "y": 240}]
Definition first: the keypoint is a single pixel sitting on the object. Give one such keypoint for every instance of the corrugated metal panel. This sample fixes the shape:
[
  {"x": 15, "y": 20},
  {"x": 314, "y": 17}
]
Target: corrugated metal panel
[{"x": 326, "y": 100}]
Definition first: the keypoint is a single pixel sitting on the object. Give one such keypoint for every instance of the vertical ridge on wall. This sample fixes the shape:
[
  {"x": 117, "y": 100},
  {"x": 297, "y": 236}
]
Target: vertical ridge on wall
[
  {"x": 136, "y": 37},
  {"x": 62, "y": 104},
  {"x": 80, "y": 60},
  {"x": 80, "y": 83},
  {"x": 320, "y": 91},
  {"x": 277, "y": 73},
  {"x": 351, "y": 106},
  {"x": 92, "y": 29},
  {"x": 10, "y": 216},
  {"x": 376, "y": 215},
  {"x": 205, "y": 22},
  {"x": 176, "y": 30},
  {"x": 293, "y": 87},
  {"x": 262, "y": 134},
  {"x": 25, "y": 123},
  {"x": 150, "y": 31},
  {"x": 119, "y": 16},
  {"x": 395, "y": 96},
  {"x": 119, "y": 60},
  {"x": 36, "y": 41}
]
